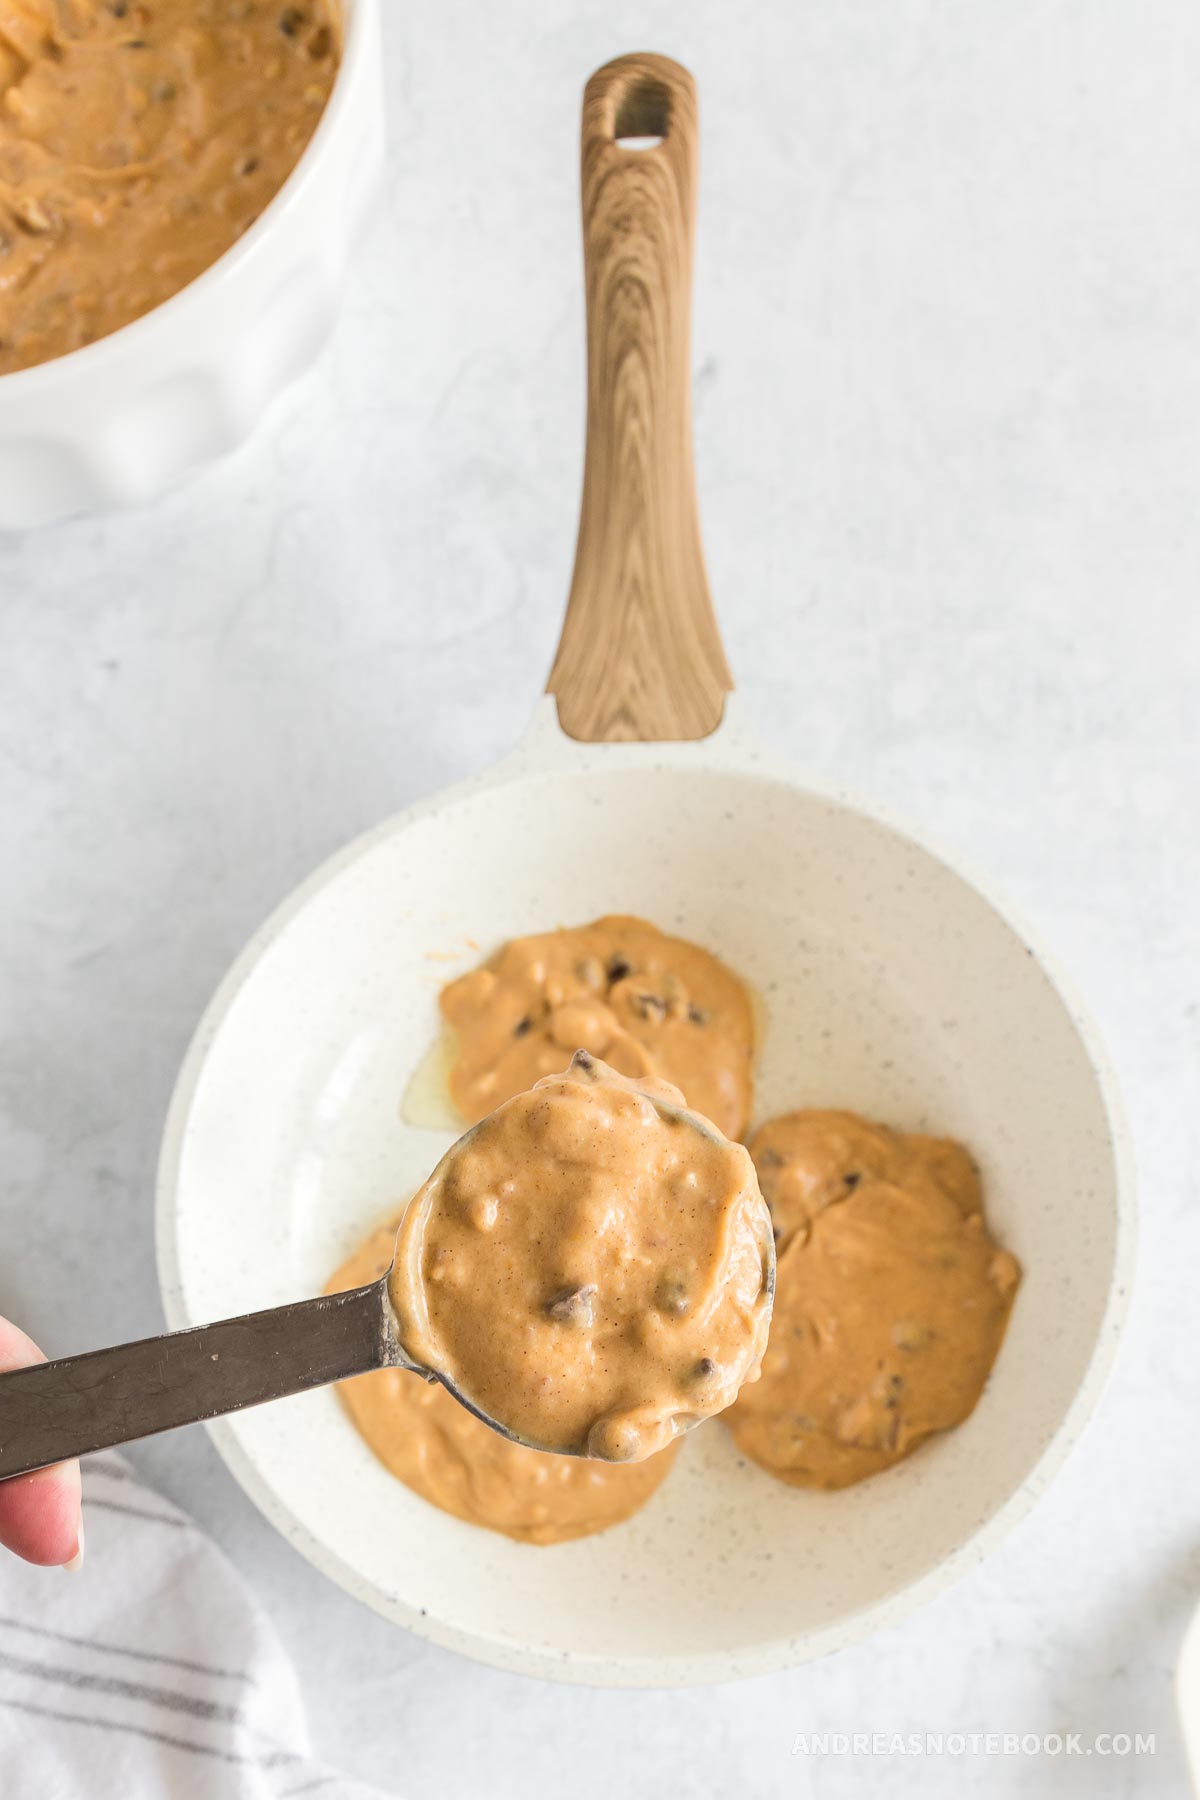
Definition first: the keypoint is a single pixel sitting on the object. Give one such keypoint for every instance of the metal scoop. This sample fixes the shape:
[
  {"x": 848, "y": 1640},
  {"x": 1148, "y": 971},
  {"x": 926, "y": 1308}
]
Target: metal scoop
[{"x": 79, "y": 1404}]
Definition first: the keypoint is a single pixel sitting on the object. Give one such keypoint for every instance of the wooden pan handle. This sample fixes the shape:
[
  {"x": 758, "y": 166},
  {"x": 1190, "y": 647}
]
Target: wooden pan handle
[{"x": 640, "y": 657}]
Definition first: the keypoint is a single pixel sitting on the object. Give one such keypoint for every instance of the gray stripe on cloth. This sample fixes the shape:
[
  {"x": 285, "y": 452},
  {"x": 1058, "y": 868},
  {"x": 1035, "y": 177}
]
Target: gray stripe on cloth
[
  {"x": 272, "y": 1760},
  {"x": 137, "y": 1512},
  {"x": 215, "y": 1711},
  {"x": 150, "y": 1656}
]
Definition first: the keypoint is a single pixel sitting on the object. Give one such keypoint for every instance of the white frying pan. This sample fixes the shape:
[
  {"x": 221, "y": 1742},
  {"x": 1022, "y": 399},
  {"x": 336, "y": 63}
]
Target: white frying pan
[{"x": 890, "y": 985}]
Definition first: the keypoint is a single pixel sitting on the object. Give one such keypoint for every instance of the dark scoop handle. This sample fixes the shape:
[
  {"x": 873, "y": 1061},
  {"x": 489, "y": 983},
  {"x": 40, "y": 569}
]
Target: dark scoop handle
[{"x": 78, "y": 1404}]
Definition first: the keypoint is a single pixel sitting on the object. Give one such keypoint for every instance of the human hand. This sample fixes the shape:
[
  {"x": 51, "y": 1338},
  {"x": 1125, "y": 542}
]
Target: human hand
[{"x": 40, "y": 1517}]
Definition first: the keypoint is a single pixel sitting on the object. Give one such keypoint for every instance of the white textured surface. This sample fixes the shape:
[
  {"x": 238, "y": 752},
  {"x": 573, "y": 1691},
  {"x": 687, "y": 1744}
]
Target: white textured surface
[{"x": 948, "y": 385}]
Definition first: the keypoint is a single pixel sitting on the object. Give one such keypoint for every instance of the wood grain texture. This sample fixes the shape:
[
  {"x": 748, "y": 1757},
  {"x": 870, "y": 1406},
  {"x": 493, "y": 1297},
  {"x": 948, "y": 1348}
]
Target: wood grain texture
[{"x": 640, "y": 656}]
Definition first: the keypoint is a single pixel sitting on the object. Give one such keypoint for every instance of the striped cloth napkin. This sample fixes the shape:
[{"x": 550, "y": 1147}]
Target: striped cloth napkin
[{"x": 152, "y": 1673}]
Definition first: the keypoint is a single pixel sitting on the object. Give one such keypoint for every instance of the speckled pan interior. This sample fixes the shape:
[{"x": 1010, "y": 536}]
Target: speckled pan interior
[{"x": 890, "y": 985}]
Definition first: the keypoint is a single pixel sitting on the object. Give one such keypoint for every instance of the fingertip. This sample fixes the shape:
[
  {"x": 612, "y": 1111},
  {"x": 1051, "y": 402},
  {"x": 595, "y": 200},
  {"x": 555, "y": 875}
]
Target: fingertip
[
  {"x": 17, "y": 1350},
  {"x": 40, "y": 1514},
  {"x": 41, "y": 1517}
]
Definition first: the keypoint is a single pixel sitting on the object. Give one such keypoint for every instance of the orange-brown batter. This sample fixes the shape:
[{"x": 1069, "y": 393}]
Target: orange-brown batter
[
  {"x": 591, "y": 1266},
  {"x": 441, "y": 1451},
  {"x": 620, "y": 988},
  {"x": 891, "y": 1299},
  {"x": 138, "y": 140}
]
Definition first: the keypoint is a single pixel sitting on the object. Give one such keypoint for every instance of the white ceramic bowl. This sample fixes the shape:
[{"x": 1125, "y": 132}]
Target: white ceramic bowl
[
  {"x": 123, "y": 419},
  {"x": 891, "y": 986}
]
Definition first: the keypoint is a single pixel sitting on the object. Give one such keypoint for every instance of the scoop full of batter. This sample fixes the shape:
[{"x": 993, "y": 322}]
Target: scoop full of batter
[
  {"x": 445, "y": 1454},
  {"x": 591, "y": 1266}
]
